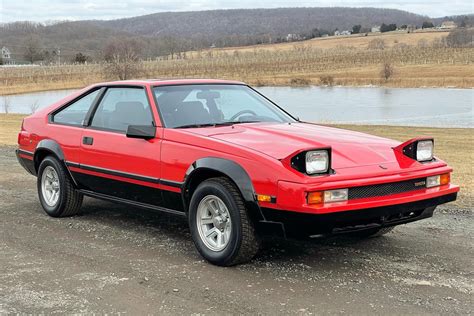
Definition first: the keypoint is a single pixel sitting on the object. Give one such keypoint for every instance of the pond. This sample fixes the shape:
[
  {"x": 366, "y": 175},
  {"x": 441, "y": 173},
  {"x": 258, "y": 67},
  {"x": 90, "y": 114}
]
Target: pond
[{"x": 435, "y": 107}]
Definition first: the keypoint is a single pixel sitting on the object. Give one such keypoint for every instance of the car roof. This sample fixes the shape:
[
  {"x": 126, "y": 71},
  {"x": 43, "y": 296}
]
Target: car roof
[{"x": 165, "y": 82}]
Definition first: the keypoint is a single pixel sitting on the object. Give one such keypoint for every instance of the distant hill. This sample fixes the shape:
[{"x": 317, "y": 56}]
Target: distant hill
[
  {"x": 162, "y": 33},
  {"x": 276, "y": 22}
]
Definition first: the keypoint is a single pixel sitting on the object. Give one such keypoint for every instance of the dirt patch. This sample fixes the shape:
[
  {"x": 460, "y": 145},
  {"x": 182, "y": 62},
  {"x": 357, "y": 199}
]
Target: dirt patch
[{"x": 114, "y": 258}]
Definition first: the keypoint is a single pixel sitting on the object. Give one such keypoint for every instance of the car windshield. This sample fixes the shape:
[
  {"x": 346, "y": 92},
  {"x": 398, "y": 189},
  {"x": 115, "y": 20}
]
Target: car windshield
[{"x": 184, "y": 106}]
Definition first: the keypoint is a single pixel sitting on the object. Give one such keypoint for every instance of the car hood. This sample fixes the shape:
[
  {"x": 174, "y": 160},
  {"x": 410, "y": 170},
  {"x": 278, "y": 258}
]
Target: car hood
[{"x": 279, "y": 141}]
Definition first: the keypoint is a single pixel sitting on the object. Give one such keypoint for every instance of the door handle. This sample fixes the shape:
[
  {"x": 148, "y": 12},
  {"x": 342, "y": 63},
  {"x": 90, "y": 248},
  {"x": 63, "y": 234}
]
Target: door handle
[{"x": 86, "y": 140}]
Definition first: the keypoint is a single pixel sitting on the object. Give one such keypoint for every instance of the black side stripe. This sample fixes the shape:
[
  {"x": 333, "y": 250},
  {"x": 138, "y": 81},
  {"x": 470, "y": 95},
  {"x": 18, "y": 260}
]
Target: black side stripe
[
  {"x": 170, "y": 183},
  {"x": 72, "y": 164},
  {"x": 133, "y": 176},
  {"x": 134, "y": 203},
  {"x": 25, "y": 152}
]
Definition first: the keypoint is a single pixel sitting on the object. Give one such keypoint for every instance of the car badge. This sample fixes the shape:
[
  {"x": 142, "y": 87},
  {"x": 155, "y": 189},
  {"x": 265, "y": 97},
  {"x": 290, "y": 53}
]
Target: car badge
[{"x": 383, "y": 167}]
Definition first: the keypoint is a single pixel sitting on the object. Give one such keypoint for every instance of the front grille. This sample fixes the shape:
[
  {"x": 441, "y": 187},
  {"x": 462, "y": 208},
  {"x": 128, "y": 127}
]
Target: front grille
[{"x": 386, "y": 188}]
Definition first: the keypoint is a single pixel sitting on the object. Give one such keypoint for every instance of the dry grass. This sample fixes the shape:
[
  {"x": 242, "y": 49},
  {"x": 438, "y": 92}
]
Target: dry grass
[
  {"x": 10, "y": 125},
  {"x": 454, "y": 145},
  {"x": 346, "y": 59},
  {"x": 354, "y": 41}
]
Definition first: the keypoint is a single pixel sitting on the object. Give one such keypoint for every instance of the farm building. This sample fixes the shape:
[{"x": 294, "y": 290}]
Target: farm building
[
  {"x": 338, "y": 33},
  {"x": 375, "y": 29},
  {"x": 447, "y": 25}
]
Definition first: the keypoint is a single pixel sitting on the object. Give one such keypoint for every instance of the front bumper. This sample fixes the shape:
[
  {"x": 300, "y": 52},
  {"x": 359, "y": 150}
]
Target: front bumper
[
  {"x": 293, "y": 196},
  {"x": 300, "y": 225}
]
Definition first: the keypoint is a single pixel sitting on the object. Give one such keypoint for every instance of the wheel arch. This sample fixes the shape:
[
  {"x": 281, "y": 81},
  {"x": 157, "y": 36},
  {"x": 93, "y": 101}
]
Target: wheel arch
[
  {"x": 49, "y": 147},
  {"x": 211, "y": 167}
]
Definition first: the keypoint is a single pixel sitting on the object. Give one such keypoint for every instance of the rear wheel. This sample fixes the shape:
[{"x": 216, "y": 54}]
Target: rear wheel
[
  {"x": 56, "y": 190},
  {"x": 220, "y": 226}
]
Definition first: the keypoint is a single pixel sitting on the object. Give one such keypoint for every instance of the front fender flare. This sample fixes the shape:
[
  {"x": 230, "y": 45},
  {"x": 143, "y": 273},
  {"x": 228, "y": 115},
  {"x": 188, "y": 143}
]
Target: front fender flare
[{"x": 233, "y": 171}]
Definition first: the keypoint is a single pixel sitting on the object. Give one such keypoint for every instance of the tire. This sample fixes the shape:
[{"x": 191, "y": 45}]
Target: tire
[
  {"x": 374, "y": 232},
  {"x": 52, "y": 177},
  {"x": 227, "y": 210}
]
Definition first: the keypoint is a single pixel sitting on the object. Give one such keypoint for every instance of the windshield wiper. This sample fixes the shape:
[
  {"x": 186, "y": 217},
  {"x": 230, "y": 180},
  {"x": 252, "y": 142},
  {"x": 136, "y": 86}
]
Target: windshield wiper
[
  {"x": 242, "y": 122},
  {"x": 214, "y": 124}
]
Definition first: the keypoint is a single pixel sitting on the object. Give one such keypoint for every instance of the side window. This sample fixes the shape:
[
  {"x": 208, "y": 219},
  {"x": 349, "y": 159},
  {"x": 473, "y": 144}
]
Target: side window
[
  {"x": 121, "y": 107},
  {"x": 76, "y": 112}
]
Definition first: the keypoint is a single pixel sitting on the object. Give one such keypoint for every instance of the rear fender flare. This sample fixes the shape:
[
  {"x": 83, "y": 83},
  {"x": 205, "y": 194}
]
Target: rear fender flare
[{"x": 51, "y": 147}]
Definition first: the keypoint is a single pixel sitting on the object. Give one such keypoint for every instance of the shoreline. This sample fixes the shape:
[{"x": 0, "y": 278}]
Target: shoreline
[{"x": 80, "y": 86}]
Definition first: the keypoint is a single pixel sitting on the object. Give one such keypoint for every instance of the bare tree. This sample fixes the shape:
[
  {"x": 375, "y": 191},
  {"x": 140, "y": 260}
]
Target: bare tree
[
  {"x": 170, "y": 46},
  {"x": 32, "y": 48},
  {"x": 122, "y": 58},
  {"x": 387, "y": 71},
  {"x": 6, "y": 104},
  {"x": 460, "y": 38},
  {"x": 34, "y": 107}
]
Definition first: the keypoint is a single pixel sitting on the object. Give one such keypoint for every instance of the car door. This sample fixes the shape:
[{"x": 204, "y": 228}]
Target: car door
[
  {"x": 66, "y": 123},
  {"x": 113, "y": 164}
]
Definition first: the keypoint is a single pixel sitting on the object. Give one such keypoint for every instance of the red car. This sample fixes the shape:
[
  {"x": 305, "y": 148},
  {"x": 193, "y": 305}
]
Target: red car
[{"x": 233, "y": 162}]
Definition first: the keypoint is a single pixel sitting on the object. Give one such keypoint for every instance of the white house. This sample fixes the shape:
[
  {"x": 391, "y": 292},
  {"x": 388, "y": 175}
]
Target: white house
[
  {"x": 293, "y": 37},
  {"x": 338, "y": 33},
  {"x": 5, "y": 53},
  {"x": 375, "y": 29}
]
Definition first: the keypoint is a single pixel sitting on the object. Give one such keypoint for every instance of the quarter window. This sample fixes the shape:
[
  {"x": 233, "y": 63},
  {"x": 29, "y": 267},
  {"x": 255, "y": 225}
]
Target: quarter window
[
  {"x": 75, "y": 113},
  {"x": 121, "y": 107}
]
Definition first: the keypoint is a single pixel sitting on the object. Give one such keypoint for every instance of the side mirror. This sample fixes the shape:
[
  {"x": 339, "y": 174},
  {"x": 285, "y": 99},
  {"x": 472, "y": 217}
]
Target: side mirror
[{"x": 141, "y": 131}]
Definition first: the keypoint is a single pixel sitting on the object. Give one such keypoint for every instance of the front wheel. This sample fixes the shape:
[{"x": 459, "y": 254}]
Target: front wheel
[{"x": 220, "y": 226}]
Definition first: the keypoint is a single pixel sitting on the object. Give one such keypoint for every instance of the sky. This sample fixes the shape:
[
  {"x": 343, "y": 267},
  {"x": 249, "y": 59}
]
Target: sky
[{"x": 54, "y": 10}]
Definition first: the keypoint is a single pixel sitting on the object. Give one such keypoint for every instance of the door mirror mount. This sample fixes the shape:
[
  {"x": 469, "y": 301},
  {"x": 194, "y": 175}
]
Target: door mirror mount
[{"x": 141, "y": 131}]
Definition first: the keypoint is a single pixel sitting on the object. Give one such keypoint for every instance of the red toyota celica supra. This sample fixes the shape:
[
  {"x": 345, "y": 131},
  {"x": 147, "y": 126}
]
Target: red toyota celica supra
[{"x": 229, "y": 159}]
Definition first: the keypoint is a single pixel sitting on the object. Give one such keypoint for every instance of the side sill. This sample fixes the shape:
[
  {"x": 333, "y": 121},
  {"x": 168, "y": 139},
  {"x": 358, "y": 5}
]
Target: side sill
[{"x": 132, "y": 203}]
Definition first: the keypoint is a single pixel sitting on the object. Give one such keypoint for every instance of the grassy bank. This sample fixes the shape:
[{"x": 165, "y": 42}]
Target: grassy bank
[
  {"x": 417, "y": 60},
  {"x": 455, "y": 145}
]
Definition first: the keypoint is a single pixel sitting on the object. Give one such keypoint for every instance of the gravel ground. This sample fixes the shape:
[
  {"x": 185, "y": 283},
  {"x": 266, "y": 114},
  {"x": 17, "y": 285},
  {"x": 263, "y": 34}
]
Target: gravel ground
[{"x": 113, "y": 259}]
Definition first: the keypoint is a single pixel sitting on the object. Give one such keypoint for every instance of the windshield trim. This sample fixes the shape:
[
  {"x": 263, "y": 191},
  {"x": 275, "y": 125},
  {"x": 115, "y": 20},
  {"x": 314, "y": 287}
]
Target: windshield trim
[
  {"x": 157, "y": 86},
  {"x": 272, "y": 102}
]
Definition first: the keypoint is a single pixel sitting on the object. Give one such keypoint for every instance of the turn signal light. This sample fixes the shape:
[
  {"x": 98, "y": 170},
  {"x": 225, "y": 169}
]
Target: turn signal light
[
  {"x": 445, "y": 179},
  {"x": 315, "y": 197},
  {"x": 264, "y": 198},
  {"x": 438, "y": 180}
]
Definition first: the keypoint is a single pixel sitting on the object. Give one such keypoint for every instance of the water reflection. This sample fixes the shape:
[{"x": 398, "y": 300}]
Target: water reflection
[{"x": 387, "y": 106}]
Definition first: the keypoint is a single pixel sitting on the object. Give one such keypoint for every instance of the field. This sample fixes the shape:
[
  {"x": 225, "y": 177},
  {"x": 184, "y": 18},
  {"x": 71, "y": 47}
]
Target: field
[
  {"x": 452, "y": 144},
  {"x": 416, "y": 58},
  {"x": 360, "y": 41}
]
